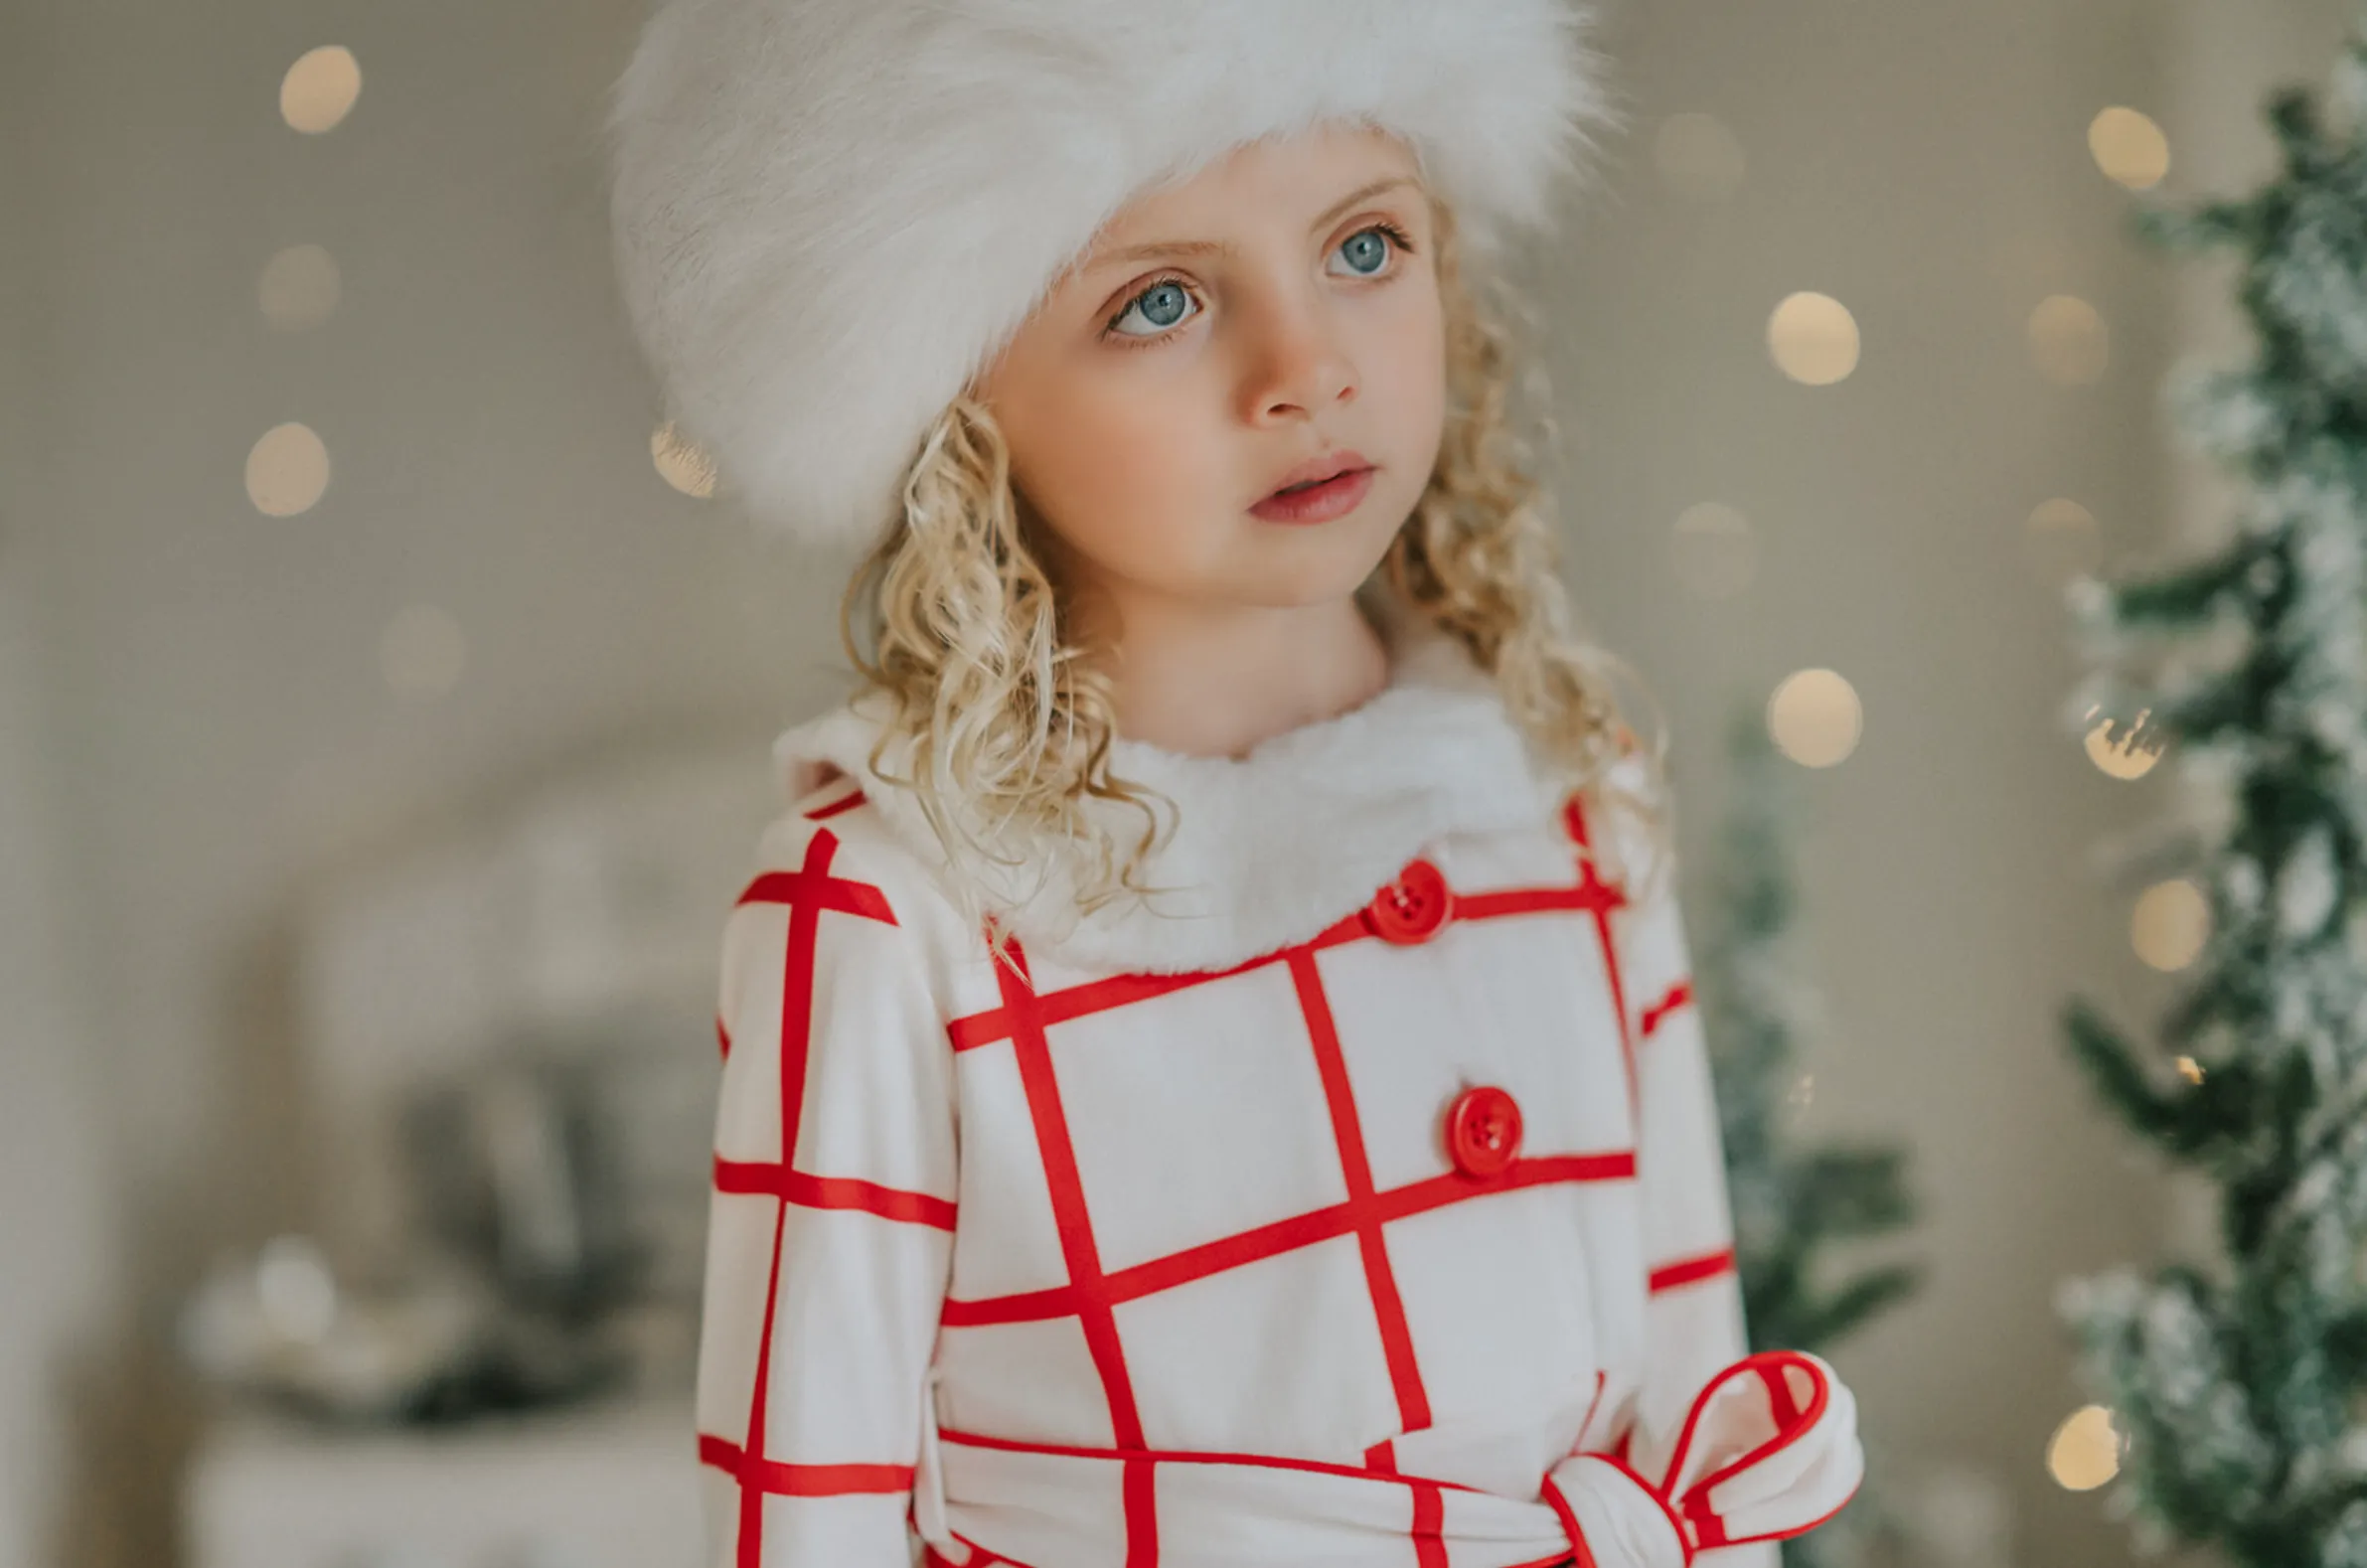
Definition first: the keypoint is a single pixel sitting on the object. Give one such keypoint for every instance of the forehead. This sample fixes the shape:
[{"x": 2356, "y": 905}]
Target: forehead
[{"x": 1297, "y": 179}]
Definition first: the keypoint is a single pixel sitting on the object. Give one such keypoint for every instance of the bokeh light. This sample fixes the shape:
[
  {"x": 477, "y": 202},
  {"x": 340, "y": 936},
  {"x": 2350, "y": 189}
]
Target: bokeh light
[
  {"x": 1814, "y": 717},
  {"x": 1813, "y": 339},
  {"x": 2062, "y": 540},
  {"x": 299, "y": 287},
  {"x": 2170, "y": 924},
  {"x": 2124, "y": 749},
  {"x": 2129, "y": 147},
  {"x": 2085, "y": 1451},
  {"x": 287, "y": 470},
  {"x": 319, "y": 89},
  {"x": 683, "y": 462},
  {"x": 2068, "y": 340}
]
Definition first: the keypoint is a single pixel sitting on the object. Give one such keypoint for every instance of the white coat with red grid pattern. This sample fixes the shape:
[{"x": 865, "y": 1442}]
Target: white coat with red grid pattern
[{"x": 1068, "y": 1267}]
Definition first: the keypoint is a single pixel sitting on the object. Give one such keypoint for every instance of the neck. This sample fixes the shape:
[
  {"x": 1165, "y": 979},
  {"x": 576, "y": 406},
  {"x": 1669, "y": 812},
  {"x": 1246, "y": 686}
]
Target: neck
[{"x": 1217, "y": 681}]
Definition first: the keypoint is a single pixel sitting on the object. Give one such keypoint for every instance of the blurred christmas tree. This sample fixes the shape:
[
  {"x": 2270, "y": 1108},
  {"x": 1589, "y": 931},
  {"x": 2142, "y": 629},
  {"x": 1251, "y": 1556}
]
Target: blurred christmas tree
[
  {"x": 2236, "y": 1385},
  {"x": 1790, "y": 1202}
]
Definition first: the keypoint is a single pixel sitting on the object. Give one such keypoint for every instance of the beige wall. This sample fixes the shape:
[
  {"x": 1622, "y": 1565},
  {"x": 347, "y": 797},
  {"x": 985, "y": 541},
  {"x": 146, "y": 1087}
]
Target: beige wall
[
  {"x": 211, "y": 730},
  {"x": 55, "y": 1225},
  {"x": 218, "y": 732}
]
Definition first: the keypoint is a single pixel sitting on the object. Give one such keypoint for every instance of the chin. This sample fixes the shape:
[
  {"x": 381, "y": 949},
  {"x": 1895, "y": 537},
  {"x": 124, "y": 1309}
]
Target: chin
[{"x": 1319, "y": 578}]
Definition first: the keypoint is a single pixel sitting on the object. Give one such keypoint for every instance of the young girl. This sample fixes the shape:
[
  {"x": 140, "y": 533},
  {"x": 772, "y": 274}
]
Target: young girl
[{"x": 1209, "y": 1073}]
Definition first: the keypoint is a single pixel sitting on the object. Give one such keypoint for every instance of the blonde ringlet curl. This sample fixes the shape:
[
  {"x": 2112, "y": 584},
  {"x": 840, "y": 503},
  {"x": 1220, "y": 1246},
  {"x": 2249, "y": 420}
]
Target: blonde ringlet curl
[{"x": 1010, "y": 724}]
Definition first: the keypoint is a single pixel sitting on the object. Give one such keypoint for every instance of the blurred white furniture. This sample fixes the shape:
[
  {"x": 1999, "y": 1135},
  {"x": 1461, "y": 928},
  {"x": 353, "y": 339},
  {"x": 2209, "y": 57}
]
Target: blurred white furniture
[
  {"x": 590, "y": 906},
  {"x": 582, "y": 912},
  {"x": 595, "y": 1487}
]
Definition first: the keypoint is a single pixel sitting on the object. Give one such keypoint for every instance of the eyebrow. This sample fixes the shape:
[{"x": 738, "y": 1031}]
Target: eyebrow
[{"x": 1226, "y": 248}]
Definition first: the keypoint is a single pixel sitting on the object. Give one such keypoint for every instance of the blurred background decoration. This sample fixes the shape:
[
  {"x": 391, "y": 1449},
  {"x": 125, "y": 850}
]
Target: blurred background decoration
[
  {"x": 1799, "y": 1208},
  {"x": 385, "y": 696},
  {"x": 508, "y": 1032},
  {"x": 2233, "y": 1383},
  {"x": 496, "y": 1019}
]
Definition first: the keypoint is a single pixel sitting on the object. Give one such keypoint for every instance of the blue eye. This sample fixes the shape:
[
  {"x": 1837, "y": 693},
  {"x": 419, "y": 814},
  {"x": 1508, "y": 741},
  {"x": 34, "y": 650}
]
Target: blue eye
[
  {"x": 1161, "y": 304},
  {"x": 1368, "y": 242}
]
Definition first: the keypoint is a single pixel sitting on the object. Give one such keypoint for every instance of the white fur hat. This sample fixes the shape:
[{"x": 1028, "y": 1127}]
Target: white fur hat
[{"x": 830, "y": 214}]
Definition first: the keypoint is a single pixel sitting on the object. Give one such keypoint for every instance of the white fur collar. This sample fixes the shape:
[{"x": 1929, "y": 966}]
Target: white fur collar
[{"x": 1268, "y": 849}]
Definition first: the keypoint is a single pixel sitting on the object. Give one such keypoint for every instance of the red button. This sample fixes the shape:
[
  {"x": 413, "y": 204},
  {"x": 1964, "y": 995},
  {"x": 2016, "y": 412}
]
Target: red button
[
  {"x": 1413, "y": 907},
  {"x": 1484, "y": 1131}
]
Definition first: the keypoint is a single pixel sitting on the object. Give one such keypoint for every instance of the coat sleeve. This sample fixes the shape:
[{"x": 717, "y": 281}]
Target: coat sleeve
[
  {"x": 1693, "y": 1313},
  {"x": 1703, "y": 1402},
  {"x": 831, "y": 1225}
]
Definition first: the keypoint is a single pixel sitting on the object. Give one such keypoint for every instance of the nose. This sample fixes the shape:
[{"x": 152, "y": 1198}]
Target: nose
[{"x": 1301, "y": 364}]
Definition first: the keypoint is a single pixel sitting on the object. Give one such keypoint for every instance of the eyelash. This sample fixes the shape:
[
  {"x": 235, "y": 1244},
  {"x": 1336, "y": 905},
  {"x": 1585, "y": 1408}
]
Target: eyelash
[{"x": 1128, "y": 340}]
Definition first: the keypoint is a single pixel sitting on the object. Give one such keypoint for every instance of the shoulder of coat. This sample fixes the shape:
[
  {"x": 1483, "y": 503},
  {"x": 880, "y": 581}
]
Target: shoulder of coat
[
  {"x": 1615, "y": 811},
  {"x": 863, "y": 850}
]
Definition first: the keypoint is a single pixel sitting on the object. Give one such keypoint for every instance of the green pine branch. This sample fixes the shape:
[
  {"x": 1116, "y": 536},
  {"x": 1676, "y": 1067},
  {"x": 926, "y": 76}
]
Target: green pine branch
[{"x": 2239, "y": 1387}]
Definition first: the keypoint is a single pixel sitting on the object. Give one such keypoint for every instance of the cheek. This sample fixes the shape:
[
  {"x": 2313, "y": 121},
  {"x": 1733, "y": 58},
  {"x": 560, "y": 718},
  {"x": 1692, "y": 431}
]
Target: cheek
[
  {"x": 1407, "y": 369},
  {"x": 1419, "y": 357},
  {"x": 1121, "y": 462}
]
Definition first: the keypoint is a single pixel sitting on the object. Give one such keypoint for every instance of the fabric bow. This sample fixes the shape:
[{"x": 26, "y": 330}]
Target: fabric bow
[{"x": 1768, "y": 1450}]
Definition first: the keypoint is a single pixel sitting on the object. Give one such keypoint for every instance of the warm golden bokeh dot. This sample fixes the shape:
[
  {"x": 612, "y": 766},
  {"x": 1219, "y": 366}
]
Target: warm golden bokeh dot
[
  {"x": 2170, "y": 924},
  {"x": 2069, "y": 343},
  {"x": 2062, "y": 540},
  {"x": 299, "y": 287},
  {"x": 319, "y": 89},
  {"x": 1812, "y": 338},
  {"x": 287, "y": 471},
  {"x": 683, "y": 462},
  {"x": 2085, "y": 1451},
  {"x": 1814, "y": 717},
  {"x": 2129, "y": 147},
  {"x": 2121, "y": 749},
  {"x": 2190, "y": 1069},
  {"x": 1697, "y": 156},
  {"x": 1711, "y": 549}
]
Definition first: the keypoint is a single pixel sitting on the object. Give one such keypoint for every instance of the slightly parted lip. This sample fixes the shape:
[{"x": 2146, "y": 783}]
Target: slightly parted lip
[{"x": 1328, "y": 466}]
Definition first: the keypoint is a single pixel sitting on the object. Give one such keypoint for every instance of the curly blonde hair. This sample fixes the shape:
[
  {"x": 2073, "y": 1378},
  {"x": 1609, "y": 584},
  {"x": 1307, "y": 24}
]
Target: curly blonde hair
[{"x": 964, "y": 626}]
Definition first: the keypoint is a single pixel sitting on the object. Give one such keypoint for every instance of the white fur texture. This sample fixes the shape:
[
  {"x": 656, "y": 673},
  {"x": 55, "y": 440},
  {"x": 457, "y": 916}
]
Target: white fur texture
[
  {"x": 1268, "y": 849},
  {"x": 828, "y": 214}
]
